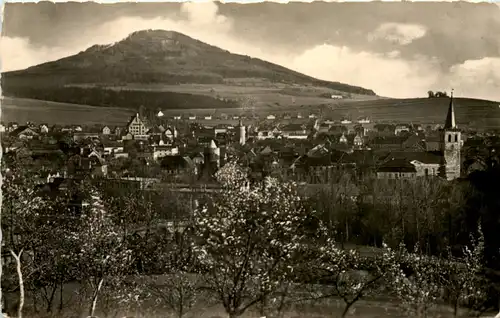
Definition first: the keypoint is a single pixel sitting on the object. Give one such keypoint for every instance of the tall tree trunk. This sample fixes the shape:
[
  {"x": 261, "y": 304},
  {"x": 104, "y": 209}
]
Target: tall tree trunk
[
  {"x": 95, "y": 296},
  {"x": 346, "y": 309},
  {"x": 21, "y": 282},
  {"x": 61, "y": 296}
]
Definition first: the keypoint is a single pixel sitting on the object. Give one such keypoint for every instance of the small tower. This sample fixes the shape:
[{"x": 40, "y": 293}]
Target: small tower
[
  {"x": 211, "y": 162},
  {"x": 451, "y": 144},
  {"x": 213, "y": 153},
  {"x": 242, "y": 133}
]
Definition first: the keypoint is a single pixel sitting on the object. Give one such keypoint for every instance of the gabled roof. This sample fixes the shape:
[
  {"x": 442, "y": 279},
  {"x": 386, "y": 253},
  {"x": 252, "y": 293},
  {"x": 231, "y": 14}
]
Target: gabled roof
[
  {"x": 397, "y": 165},
  {"x": 155, "y": 130},
  {"x": 292, "y": 127},
  {"x": 19, "y": 130},
  {"x": 266, "y": 150},
  {"x": 389, "y": 140},
  {"x": 175, "y": 162},
  {"x": 426, "y": 157}
]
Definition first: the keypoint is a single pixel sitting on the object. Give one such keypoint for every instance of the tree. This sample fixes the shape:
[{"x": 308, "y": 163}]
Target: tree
[
  {"x": 179, "y": 291},
  {"x": 430, "y": 94},
  {"x": 354, "y": 276},
  {"x": 102, "y": 251},
  {"x": 463, "y": 276},
  {"x": 420, "y": 287},
  {"x": 21, "y": 211},
  {"x": 250, "y": 238}
]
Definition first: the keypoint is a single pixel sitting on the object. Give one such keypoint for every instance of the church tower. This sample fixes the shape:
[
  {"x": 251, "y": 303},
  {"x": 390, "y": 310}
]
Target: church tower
[
  {"x": 242, "y": 133},
  {"x": 451, "y": 144}
]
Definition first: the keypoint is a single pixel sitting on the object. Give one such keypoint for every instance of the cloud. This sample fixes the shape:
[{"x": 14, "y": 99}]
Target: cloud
[
  {"x": 387, "y": 74},
  {"x": 398, "y": 33},
  {"x": 19, "y": 53},
  {"x": 477, "y": 78}
]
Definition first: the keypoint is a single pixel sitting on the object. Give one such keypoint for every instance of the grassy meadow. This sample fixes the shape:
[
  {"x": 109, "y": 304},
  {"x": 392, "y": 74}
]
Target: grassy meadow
[
  {"x": 74, "y": 305},
  {"x": 473, "y": 112}
]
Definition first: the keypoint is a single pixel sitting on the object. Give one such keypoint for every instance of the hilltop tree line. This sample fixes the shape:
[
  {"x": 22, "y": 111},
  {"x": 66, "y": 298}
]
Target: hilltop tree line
[
  {"x": 437, "y": 94},
  {"x": 260, "y": 246}
]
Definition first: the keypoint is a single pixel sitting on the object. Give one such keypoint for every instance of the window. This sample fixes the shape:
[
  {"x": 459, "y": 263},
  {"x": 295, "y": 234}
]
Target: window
[
  {"x": 426, "y": 172},
  {"x": 449, "y": 138},
  {"x": 456, "y": 137}
]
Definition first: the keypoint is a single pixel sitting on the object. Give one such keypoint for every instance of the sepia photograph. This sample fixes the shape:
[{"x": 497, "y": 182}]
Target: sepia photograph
[{"x": 250, "y": 159}]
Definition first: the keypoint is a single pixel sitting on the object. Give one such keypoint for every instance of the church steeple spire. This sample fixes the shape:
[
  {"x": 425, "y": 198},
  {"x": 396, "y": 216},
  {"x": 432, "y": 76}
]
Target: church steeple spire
[{"x": 450, "y": 117}]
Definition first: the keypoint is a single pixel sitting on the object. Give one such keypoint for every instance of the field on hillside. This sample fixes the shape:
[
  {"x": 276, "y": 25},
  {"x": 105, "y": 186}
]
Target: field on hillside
[
  {"x": 475, "y": 113},
  {"x": 281, "y": 95},
  {"x": 24, "y": 110}
]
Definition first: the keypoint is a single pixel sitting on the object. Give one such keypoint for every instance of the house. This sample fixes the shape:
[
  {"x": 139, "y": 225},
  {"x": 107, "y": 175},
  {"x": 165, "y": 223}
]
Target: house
[
  {"x": 112, "y": 147},
  {"x": 385, "y": 129},
  {"x": 77, "y": 128},
  {"x": 294, "y": 131},
  {"x": 192, "y": 117},
  {"x": 312, "y": 116},
  {"x": 396, "y": 169},
  {"x": 12, "y": 126},
  {"x": 358, "y": 141},
  {"x": 159, "y": 114},
  {"x": 269, "y": 133},
  {"x": 337, "y": 130},
  {"x": 432, "y": 142},
  {"x": 155, "y": 131},
  {"x": 163, "y": 151},
  {"x": 209, "y": 117},
  {"x": 271, "y": 117},
  {"x": 177, "y": 117},
  {"x": 299, "y": 116},
  {"x": 23, "y": 132},
  {"x": 44, "y": 128},
  {"x": 387, "y": 142},
  {"x": 85, "y": 135},
  {"x": 414, "y": 142},
  {"x": 218, "y": 130},
  {"x": 118, "y": 131},
  {"x": 236, "y": 117},
  {"x": 363, "y": 121},
  {"x": 401, "y": 128},
  {"x": 343, "y": 139},
  {"x": 345, "y": 122},
  {"x": 3, "y": 128},
  {"x": 197, "y": 158},
  {"x": 106, "y": 130},
  {"x": 336, "y": 96},
  {"x": 177, "y": 164},
  {"x": 323, "y": 128},
  {"x": 137, "y": 126},
  {"x": 424, "y": 163},
  {"x": 170, "y": 133}
]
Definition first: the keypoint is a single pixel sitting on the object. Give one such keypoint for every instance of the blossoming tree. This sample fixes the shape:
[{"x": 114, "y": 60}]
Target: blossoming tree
[
  {"x": 352, "y": 275},
  {"x": 102, "y": 252},
  {"x": 250, "y": 237}
]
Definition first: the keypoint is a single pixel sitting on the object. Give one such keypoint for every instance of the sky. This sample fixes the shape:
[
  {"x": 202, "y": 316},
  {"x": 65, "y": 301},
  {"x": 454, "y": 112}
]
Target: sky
[{"x": 398, "y": 50}]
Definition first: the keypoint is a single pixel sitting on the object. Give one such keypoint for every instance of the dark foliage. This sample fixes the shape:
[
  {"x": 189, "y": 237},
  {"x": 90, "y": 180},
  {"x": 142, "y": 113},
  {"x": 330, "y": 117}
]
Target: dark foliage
[{"x": 124, "y": 99}]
